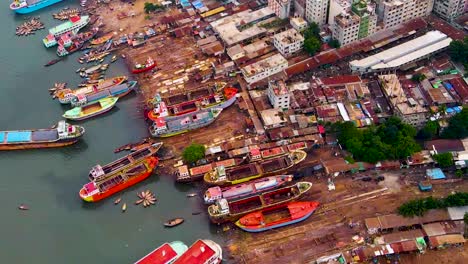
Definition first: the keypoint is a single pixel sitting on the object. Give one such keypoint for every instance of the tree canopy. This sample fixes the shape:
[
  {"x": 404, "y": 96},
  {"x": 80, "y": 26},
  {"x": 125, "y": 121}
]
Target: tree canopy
[
  {"x": 458, "y": 50},
  {"x": 418, "y": 77},
  {"x": 312, "y": 45},
  {"x": 150, "y": 7},
  {"x": 458, "y": 125},
  {"x": 193, "y": 153},
  {"x": 389, "y": 141},
  {"x": 419, "y": 207},
  {"x": 312, "y": 31},
  {"x": 429, "y": 131},
  {"x": 444, "y": 159},
  {"x": 334, "y": 43}
]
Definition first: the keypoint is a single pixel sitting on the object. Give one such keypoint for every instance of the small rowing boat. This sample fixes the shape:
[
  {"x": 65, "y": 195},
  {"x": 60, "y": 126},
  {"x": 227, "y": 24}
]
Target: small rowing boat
[{"x": 173, "y": 222}]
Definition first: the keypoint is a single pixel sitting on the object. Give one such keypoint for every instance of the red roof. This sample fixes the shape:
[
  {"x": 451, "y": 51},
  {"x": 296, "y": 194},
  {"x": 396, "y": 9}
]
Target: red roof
[
  {"x": 198, "y": 253},
  {"x": 460, "y": 87},
  {"x": 201, "y": 169},
  {"x": 75, "y": 19},
  {"x": 340, "y": 80},
  {"x": 272, "y": 152},
  {"x": 161, "y": 255}
]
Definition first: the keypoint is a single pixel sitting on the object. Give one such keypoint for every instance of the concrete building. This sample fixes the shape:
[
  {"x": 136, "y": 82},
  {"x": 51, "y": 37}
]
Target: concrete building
[
  {"x": 395, "y": 12},
  {"x": 359, "y": 23},
  {"x": 264, "y": 68},
  {"x": 316, "y": 11},
  {"x": 298, "y": 23},
  {"x": 279, "y": 95},
  {"x": 288, "y": 42},
  {"x": 404, "y": 106},
  {"x": 282, "y": 8},
  {"x": 449, "y": 9},
  {"x": 337, "y": 7},
  {"x": 299, "y": 8},
  {"x": 403, "y": 54}
]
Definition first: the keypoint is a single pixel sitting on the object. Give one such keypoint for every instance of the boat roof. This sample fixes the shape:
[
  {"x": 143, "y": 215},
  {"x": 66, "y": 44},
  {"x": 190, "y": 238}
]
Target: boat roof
[
  {"x": 201, "y": 169},
  {"x": 15, "y": 136},
  {"x": 198, "y": 253},
  {"x": 161, "y": 255}
]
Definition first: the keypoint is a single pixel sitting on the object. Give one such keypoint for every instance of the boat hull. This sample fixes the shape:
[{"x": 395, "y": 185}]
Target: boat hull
[
  {"x": 30, "y": 9},
  {"x": 61, "y": 143},
  {"x": 136, "y": 71},
  {"x": 96, "y": 113},
  {"x": 101, "y": 86}
]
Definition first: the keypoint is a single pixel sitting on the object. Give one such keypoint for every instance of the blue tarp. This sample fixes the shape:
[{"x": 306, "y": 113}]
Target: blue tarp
[
  {"x": 18, "y": 136},
  {"x": 458, "y": 109},
  {"x": 435, "y": 174},
  {"x": 197, "y": 4},
  {"x": 2, "y": 136},
  {"x": 449, "y": 110},
  {"x": 448, "y": 85},
  {"x": 185, "y": 3}
]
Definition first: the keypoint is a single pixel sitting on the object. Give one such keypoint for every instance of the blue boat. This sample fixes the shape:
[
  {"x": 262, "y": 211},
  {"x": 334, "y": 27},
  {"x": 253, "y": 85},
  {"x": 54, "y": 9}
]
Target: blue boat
[
  {"x": 28, "y": 6},
  {"x": 114, "y": 91}
]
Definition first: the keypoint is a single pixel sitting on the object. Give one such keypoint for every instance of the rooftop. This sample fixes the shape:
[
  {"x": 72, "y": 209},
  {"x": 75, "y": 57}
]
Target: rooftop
[
  {"x": 444, "y": 145},
  {"x": 457, "y": 213},
  {"x": 288, "y": 37},
  {"x": 272, "y": 117},
  {"x": 278, "y": 87},
  {"x": 345, "y": 19},
  {"x": 298, "y": 21},
  {"x": 339, "y": 80},
  {"x": 262, "y": 65}
]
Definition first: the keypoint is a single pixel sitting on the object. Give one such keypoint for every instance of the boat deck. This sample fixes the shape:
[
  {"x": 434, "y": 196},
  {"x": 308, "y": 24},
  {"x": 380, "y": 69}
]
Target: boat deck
[
  {"x": 245, "y": 205},
  {"x": 276, "y": 164},
  {"x": 44, "y": 135},
  {"x": 280, "y": 195},
  {"x": 126, "y": 160},
  {"x": 276, "y": 215},
  {"x": 92, "y": 108},
  {"x": 242, "y": 172}
]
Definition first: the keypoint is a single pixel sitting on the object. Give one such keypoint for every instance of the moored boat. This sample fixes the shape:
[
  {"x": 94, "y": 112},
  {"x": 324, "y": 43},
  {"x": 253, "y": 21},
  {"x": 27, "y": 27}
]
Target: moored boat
[
  {"x": 173, "y": 222},
  {"x": 184, "y": 123},
  {"x": 186, "y": 174},
  {"x": 275, "y": 217},
  {"x": 73, "y": 26},
  {"x": 28, "y": 6},
  {"x": 66, "y": 95},
  {"x": 224, "y": 210},
  {"x": 62, "y": 135},
  {"x": 91, "y": 109},
  {"x": 165, "y": 254},
  {"x": 149, "y": 65},
  {"x": 69, "y": 43},
  {"x": 52, "y": 62},
  {"x": 114, "y": 91},
  {"x": 118, "y": 175},
  {"x": 254, "y": 170},
  {"x": 203, "y": 251},
  {"x": 247, "y": 189},
  {"x": 102, "y": 39}
]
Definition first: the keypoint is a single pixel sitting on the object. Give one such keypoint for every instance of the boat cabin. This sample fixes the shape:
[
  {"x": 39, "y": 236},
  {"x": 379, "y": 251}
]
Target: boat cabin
[
  {"x": 223, "y": 207},
  {"x": 182, "y": 172},
  {"x": 159, "y": 126},
  {"x": 220, "y": 173},
  {"x": 64, "y": 130},
  {"x": 213, "y": 194},
  {"x": 96, "y": 172}
]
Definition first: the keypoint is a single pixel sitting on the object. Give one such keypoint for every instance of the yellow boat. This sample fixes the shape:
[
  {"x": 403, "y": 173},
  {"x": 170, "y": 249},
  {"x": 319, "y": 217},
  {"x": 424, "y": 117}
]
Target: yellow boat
[
  {"x": 254, "y": 170},
  {"x": 91, "y": 109}
]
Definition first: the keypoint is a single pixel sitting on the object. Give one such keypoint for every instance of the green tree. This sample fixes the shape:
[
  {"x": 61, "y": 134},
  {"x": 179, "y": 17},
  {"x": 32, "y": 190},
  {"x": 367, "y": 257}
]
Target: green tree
[
  {"x": 444, "y": 159},
  {"x": 458, "y": 50},
  {"x": 150, "y": 7},
  {"x": 334, "y": 43},
  {"x": 458, "y": 126},
  {"x": 312, "y": 45},
  {"x": 429, "y": 131},
  {"x": 418, "y": 77},
  {"x": 465, "y": 220},
  {"x": 312, "y": 31},
  {"x": 459, "y": 173},
  {"x": 193, "y": 153},
  {"x": 419, "y": 206}
]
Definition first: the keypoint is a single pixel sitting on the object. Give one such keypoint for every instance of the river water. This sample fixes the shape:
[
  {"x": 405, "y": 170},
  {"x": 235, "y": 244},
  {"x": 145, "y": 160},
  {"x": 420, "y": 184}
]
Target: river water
[{"x": 59, "y": 227}]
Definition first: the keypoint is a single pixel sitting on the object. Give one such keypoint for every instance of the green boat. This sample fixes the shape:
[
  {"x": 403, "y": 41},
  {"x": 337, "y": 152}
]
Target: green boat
[{"x": 92, "y": 109}]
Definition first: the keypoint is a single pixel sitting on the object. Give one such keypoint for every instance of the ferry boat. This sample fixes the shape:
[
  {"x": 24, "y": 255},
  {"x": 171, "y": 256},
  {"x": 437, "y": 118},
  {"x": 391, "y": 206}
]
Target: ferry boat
[
  {"x": 62, "y": 134},
  {"x": 120, "y": 174},
  {"x": 165, "y": 254},
  {"x": 254, "y": 170},
  {"x": 69, "y": 43},
  {"x": 114, "y": 91},
  {"x": 191, "y": 102},
  {"x": 65, "y": 96},
  {"x": 203, "y": 251},
  {"x": 149, "y": 65},
  {"x": 224, "y": 210},
  {"x": 28, "y": 6},
  {"x": 186, "y": 174},
  {"x": 275, "y": 217},
  {"x": 102, "y": 39},
  {"x": 182, "y": 124},
  {"x": 91, "y": 109},
  {"x": 73, "y": 25},
  {"x": 247, "y": 189}
]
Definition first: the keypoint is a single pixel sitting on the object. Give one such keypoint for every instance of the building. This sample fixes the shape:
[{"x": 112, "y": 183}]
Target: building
[
  {"x": 449, "y": 9},
  {"x": 282, "y": 8},
  {"x": 395, "y": 12},
  {"x": 299, "y": 8},
  {"x": 410, "y": 111},
  {"x": 264, "y": 68},
  {"x": 337, "y": 7},
  {"x": 273, "y": 118},
  {"x": 298, "y": 23},
  {"x": 361, "y": 22},
  {"x": 403, "y": 54},
  {"x": 288, "y": 42},
  {"x": 316, "y": 11},
  {"x": 279, "y": 95}
]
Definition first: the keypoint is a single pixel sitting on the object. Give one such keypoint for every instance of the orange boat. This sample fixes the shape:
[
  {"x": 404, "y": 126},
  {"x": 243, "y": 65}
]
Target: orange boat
[
  {"x": 120, "y": 174},
  {"x": 102, "y": 39},
  {"x": 283, "y": 215}
]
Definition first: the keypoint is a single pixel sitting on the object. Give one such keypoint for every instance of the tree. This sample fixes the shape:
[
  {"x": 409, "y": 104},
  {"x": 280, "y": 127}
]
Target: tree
[
  {"x": 420, "y": 206},
  {"x": 465, "y": 220},
  {"x": 312, "y": 31},
  {"x": 444, "y": 159},
  {"x": 418, "y": 77},
  {"x": 459, "y": 173},
  {"x": 458, "y": 50},
  {"x": 334, "y": 43},
  {"x": 429, "y": 131},
  {"x": 193, "y": 153},
  {"x": 312, "y": 45},
  {"x": 458, "y": 126},
  {"x": 150, "y": 7}
]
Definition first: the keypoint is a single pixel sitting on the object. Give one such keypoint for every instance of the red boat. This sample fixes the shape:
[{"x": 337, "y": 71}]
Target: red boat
[
  {"x": 202, "y": 252},
  {"x": 165, "y": 254},
  {"x": 283, "y": 215},
  {"x": 139, "y": 68}
]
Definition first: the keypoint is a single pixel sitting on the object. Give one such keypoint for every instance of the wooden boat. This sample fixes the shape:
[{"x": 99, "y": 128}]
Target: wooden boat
[
  {"x": 191, "y": 195},
  {"x": 102, "y": 39},
  {"x": 117, "y": 201},
  {"x": 149, "y": 65},
  {"x": 186, "y": 174},
  {"x": 224, "y": 210},
  {"x": 275, "y": 217},
  {"x": 165, "y": 254},
  {"x": 120, "y": 174},
  {"x": 173, "y": 222},
  {"x": 254, "y": 170},
  {"x": 23, "y": 207},
  {"x": 66, "y": 95},
  {"x": 244, "y": 190},
  {"x": 203, "y": 251},
  {"x": 124, "y": 207},
  {"x": 91, "y": 109},
  {"x": 115, "y": 91},
  {"x": 52, "y": 62},
  {"x": 61, "y": 135}
]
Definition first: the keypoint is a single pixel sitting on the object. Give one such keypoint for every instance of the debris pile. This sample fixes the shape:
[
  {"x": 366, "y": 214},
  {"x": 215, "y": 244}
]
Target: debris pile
[
  {"x": 66, "y": 13},
  {"x": 29, "y": 26},
  {"x": 147, "y": 198}
]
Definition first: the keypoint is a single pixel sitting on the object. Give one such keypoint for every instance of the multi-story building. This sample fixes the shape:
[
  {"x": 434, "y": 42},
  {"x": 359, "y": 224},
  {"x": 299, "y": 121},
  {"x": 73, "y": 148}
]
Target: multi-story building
[
  {"x": 338, "y": 7},
  {"x": 278, "y": 94},
  {"x": 395, "y": 12},
  {"x": 264, "y": 68},
  {"x": 298, "y": 23},
  {"x": 288, "y": 42},
  {"x": 316, "y": 11},
  {"x": 357, "y": 24},
  {"x": 449, "y": 9},
  {"x": 410, "y": 111},
  {"x": 299, "y": 7},
  {"x": 281, "y": 8}
]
